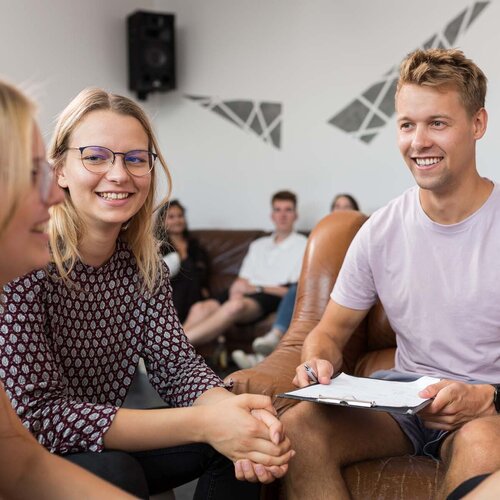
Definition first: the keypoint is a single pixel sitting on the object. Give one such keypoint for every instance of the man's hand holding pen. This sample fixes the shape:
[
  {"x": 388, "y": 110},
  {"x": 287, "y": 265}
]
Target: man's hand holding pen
[{"x": 313, "y": 371}]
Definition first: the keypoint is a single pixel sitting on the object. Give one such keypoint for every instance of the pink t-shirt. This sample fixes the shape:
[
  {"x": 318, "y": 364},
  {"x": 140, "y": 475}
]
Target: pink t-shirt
[{"x": 439, "y": 285}]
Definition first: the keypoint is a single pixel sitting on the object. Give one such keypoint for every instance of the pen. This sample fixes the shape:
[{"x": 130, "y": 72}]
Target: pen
[{"x": 310, "y": 373}]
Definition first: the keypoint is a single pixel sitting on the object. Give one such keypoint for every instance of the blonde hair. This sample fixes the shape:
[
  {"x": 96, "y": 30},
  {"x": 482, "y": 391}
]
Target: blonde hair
[
  {"x": 16, "y": 138},
  {"x": 446, "y": 67},
  {"x": 67, "y": 227}
]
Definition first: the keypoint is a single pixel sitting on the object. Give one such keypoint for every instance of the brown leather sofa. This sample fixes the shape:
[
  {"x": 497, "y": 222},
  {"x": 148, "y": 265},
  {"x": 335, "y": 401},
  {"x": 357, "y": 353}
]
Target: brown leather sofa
[
  {"x": 226, "y": 249},
  {"x": 371, "y": 348}
]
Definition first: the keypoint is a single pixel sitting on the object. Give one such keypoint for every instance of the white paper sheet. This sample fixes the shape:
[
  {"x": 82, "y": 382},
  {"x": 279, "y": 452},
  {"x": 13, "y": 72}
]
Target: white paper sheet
[{"x": 372, "y": 391}]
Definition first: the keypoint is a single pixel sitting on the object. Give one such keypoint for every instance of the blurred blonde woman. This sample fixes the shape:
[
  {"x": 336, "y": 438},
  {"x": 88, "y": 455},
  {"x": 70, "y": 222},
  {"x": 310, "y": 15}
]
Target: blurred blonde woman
[
  {"x": 27, "y": 191},
  {"x": 105, "y": 301}
]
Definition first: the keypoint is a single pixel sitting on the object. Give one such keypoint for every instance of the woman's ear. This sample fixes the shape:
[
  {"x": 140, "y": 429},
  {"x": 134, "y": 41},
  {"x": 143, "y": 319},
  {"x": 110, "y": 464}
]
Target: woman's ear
[{"x": 61, "y": 178}]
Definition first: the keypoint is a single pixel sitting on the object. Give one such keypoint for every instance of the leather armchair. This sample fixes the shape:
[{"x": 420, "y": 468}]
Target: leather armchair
[{"x": 372, "y": 347}]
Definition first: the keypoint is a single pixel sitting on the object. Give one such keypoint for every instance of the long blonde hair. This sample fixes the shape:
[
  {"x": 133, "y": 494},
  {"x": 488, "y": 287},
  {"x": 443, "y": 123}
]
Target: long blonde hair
[
  {"x": 67, "y": 227},
  {"x": 16, "y": 137}
]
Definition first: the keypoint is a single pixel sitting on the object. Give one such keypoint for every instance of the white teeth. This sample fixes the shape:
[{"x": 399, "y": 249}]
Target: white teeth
[
  {"x": 114, "y": 196},
  {"x": 425, "y": 162}
]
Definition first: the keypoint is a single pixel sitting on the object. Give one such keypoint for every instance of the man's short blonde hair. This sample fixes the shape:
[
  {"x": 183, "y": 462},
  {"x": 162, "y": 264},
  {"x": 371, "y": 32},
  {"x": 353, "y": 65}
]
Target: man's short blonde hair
[{"x": 445, "y": 68}]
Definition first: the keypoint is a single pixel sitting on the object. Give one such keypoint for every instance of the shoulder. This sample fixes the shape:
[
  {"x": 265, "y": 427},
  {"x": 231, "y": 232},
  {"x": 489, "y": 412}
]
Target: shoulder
[
  {"x": 392, "y": 215},
  {"x": 27, "y": 286}
]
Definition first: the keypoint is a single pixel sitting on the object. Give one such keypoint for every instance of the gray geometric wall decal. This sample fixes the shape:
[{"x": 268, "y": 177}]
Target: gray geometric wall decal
[
  {"x": 261, "y": 118},
  {"x": 368, "y": 113}
]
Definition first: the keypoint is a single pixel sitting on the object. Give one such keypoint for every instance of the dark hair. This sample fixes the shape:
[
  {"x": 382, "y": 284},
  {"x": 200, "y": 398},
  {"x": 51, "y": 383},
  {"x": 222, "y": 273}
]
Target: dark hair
[
  {"x": 160, "y": 231},
  {"x": 285, "y": 195},
  {"x": 351, "y": 198}
]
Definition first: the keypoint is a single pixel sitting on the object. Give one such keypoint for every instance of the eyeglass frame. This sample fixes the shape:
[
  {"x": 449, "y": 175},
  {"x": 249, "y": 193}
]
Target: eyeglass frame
[
  {"x": 44, "y": 172},
  {"x": 82, "y": 148}
]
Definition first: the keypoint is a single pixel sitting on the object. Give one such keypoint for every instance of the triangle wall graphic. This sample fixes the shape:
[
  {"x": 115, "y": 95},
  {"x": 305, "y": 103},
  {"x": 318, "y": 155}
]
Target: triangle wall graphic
[
  {"x": 259, "y": 117},
  {"x": 366, "y": 115}
]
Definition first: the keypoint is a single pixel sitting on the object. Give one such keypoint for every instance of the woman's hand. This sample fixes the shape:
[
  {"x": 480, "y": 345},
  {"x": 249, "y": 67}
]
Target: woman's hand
[{"x": 245, "y": 429}]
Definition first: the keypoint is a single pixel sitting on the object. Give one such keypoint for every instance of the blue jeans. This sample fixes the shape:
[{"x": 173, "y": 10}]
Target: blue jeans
[
  {"x": 150, "y": 472},
  {"x": 285, "y": 310}
]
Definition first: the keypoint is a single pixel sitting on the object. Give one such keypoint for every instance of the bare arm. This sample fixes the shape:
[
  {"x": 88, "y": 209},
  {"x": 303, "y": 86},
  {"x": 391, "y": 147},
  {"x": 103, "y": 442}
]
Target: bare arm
[
  {"x": 219, "y": 418},
  {"x": 27, "y": 470},
  {"x": 323, "y": 347}
]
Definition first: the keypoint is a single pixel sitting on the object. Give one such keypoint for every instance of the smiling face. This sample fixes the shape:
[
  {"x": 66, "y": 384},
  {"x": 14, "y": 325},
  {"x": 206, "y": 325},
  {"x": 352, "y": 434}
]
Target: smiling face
[
  {"x": 24, "y": 242},
  {"x": 107, "y": 200},
  {"x": 437, "y": 137}
]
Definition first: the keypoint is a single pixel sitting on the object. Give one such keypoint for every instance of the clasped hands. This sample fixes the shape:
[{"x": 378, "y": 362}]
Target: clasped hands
[
  {"x": 245, "y": 429},
  {"x": 454, "y": 403}
]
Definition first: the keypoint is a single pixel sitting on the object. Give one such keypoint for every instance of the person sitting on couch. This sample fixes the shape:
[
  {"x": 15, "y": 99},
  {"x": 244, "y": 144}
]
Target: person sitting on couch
[
  {"x": 431, "y": 257},
  {"x": 271, "y": 265},
  {"x": 186, "y": 259},
  {"x": 265, "y": 345}
]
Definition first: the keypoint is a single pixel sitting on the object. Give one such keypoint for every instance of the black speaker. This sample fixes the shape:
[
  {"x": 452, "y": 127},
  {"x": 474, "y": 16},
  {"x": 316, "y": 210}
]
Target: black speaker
[{"x": 151, "y": 52}]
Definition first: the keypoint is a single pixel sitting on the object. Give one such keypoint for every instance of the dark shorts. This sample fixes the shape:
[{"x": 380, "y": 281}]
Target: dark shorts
[
  {"x": 426, "y": 442},
  {"x": 268, "y": 303}
]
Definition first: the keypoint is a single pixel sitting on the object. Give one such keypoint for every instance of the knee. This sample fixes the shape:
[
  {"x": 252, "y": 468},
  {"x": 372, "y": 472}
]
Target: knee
[
  {"x": 124, "y": 471},
  {"x": 204, "y": 307},
  {"x": 296, "y": 418},
  {"x": 475, "y": 440},
  {"x": 233, "y": 307}
]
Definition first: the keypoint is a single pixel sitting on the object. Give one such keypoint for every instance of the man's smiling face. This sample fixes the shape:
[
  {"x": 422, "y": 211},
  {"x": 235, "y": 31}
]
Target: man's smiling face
[{"x": 436, "y": 135}]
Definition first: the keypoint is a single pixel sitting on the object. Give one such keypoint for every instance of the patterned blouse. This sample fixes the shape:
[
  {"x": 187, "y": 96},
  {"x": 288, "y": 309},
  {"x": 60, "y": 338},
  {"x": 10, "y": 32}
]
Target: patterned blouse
[{"x": 69, "y": 353}]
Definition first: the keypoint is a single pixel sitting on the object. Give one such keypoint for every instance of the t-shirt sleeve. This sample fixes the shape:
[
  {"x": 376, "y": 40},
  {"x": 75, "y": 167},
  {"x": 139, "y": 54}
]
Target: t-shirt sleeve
[
  {"x": 355, "y": 286},
  {"x": 178, "y": 373},
  {"x": 38, "y": 391},
  {"x": 248, "y": 264}
]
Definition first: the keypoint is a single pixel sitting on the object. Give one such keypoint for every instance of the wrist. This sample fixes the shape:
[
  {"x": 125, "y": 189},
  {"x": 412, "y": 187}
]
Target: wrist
[{"x": 259, "y": 289}]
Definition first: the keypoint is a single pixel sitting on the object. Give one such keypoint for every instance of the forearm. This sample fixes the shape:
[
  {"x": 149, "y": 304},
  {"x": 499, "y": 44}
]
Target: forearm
[
  {"x": 27, "y": 470},
  {"x": 328, "y": 339},
  {"x": 139, "y": 430},
  {"x": 279, "y": 291},
  {"x": 213, "y": 395}
]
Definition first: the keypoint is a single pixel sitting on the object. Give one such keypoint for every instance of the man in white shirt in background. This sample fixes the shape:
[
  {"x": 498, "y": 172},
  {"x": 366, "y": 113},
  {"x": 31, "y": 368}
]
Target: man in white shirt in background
[{"x": 271, "y": 265}]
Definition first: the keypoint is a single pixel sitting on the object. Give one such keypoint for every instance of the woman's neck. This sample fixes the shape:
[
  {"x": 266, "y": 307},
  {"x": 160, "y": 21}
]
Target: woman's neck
[{"x": 97, "y": 246}]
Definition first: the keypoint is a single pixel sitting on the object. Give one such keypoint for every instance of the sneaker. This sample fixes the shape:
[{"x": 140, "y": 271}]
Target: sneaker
[
  {"x": 244, "y": 360},
  {"x": 267, "y": 343}
]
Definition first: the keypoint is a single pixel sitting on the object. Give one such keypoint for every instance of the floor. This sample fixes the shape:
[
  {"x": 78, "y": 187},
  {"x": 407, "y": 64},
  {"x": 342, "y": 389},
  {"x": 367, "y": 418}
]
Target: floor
[{"x": 143, "y": 395}]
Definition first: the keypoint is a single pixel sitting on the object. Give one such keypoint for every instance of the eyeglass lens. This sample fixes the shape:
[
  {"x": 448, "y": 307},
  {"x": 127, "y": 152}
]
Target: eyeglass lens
[{"x": 98, "y": 159}]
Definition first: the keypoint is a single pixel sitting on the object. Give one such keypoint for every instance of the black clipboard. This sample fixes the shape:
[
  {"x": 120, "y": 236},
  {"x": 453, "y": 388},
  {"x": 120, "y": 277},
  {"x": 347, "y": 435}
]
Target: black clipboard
[{"x": 356, "y": 403}]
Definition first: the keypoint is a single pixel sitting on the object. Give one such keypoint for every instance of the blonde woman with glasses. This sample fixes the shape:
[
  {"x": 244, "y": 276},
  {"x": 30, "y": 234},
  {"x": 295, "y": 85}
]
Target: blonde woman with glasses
[
  {"x": 105, "y": 301},
  {"x": 27, "y": 191}
]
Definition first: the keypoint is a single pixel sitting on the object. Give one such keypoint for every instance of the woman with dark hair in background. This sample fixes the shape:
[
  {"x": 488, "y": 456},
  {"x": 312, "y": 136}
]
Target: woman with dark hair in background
[
  {"x": 344, "y": 201},
  {"x": 186, "y": 258}
]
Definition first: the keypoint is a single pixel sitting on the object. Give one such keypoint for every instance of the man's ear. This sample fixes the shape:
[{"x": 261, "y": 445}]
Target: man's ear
[{"x": 480, "y": 123}]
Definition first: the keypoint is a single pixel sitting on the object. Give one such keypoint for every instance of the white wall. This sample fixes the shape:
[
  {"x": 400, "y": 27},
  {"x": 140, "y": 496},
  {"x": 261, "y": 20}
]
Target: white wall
[{"x": 313, "y": 56}]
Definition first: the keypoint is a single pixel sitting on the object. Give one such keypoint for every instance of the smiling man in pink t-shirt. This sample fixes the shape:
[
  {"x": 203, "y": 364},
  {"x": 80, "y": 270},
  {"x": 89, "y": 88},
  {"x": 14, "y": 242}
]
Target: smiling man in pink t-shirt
[{"x": 431, "y": 256}]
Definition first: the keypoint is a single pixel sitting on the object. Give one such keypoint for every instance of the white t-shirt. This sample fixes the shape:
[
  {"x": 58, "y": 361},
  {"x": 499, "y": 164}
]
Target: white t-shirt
[
  {"x": 268, "y": 263},
  {"x": 439, "y": 285}
]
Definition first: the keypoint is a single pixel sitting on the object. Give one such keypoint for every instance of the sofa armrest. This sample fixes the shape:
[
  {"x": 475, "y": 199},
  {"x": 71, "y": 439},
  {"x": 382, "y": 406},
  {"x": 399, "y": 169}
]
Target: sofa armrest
[{"x": 324, "y": 255}]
